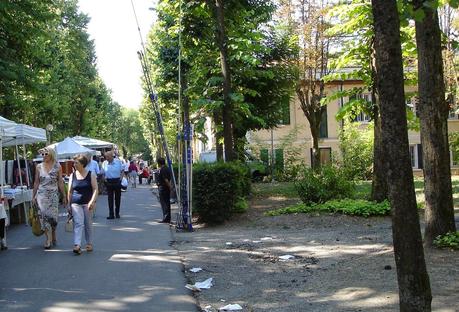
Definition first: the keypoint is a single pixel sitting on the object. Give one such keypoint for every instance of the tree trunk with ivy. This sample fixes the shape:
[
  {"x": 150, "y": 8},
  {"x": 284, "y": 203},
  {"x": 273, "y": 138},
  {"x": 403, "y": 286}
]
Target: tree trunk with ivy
[
  {"x": 413, "y": 279},
  {"x": 433, "y": 116},
  {"x": 218, "y": 135},
  {"x": 222, "y": 43},
  {"x": 379, "y": 182}
]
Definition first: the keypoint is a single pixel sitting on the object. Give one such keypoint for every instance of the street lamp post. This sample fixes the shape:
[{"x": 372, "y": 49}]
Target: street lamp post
[{"x": 49, "y": 129}]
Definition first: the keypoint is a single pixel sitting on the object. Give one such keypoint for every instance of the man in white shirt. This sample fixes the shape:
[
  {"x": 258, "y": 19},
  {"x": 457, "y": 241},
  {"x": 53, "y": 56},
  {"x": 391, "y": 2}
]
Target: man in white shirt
[
  {"x": 93, "y": 165},
  {"x": 113, "y": 169}
]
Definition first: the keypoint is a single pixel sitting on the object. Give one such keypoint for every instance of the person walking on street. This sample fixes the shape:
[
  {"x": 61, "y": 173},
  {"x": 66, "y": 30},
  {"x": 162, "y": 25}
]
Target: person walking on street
[
  {"x": 113, "y": 168},
  {"x": 93, "y": 166},
  {"x": 47, "y": 185},
  {"x": 82, "y": 196},
  {"x": 141, "y": 165},
  {"x": 3, "y": 224},
  {"x": 133, "y": 173},
  {"x": 165, "y": 187}
]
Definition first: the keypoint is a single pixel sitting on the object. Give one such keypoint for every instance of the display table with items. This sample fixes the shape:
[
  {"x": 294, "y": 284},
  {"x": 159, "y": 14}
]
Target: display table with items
[{"x": 17, "y": 198}]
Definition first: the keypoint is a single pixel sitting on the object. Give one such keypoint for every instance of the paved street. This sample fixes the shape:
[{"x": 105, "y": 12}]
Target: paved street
[{"x": 132, "y": 268}]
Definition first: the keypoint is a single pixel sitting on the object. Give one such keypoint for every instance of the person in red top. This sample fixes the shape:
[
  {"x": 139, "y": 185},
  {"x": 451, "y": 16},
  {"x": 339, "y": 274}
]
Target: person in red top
[
  {"x": 145, "y": 173},
  {"x": 133, "y": 173}
]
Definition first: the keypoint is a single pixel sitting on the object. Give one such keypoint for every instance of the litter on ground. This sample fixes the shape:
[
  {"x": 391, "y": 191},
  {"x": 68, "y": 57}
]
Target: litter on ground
[
  {"x": 287, "y": 257},
  {"x": 231, "y": 307},
  {"x": 196, "y": 270},
  {"x": 200, "y": 285}
]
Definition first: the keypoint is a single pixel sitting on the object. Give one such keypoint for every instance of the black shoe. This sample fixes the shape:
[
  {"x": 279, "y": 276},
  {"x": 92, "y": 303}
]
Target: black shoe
[
  {"x": 165, "y": 221},
  {"x": 110, "y": 217},
  {"x": 118, "y": 216},
  {"x": 3, "y": 247}
]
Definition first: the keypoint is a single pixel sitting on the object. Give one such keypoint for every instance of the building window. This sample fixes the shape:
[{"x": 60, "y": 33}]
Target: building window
[
  {"x": 416, "y": 156},
  {"x": 279, "y": 159},
  {"x": 410, "y": 105},
  {"x": 264, "y": 156},
  {"x": 454, "y": 158},
  {"x": 325, "y": 156},
  {"x": 323, "y": 130},
  {"x": 362, "y": 117},
  {"x": 285, "y": 111}
]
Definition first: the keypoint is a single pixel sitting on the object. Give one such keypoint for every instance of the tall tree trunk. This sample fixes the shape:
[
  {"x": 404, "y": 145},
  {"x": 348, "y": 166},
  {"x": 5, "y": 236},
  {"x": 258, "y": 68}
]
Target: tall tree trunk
[
  {"x": 379, "y": 182},
  {"x": 315, "y": 161},
  {"x": 227, "y": 115},
  {"x": 413, "y": 280},
  {"x": 433, "y": 115},
  {"x": 379, "y": 188},
  {"x": 218, "y": 135}
]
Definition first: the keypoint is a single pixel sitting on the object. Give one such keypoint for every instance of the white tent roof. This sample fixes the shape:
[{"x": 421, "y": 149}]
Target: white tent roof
[
  {"x": 92, "y": 143},
  {"x": 69, "y": 148},
  {"x": 7, "y": 128},
  {"x": 24, "y": 134}
]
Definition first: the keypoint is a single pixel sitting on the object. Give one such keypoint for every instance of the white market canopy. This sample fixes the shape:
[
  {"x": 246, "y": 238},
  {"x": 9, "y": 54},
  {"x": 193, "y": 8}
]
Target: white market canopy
[
  {"x": 6, "y": 128},
  {"x": 92, "y": 143},
  {"x": 69, "y": 148},
  {"x": 23, "y": 134}
]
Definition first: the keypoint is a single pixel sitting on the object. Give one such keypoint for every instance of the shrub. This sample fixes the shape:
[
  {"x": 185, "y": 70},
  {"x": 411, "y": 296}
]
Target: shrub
[
  {"x": 356, "y": 144},
  {"x": 356, "y": 207},
  {"x": 219, "y": 189},
  {"x": 325, "y": 184},
  {"x": 449, "y": 240}
]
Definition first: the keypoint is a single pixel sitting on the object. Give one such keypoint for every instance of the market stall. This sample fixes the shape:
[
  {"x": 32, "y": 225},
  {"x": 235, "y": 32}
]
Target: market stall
[
  {"x": 69, "y": 148},
  {"x": 66, "y": 149},
  {"x": 94, "y": 144},
  {"x": 19, "y": 135}
]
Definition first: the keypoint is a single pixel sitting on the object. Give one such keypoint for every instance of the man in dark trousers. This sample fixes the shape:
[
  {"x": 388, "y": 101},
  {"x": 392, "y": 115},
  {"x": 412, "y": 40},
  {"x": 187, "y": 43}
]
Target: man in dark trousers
[
  {"x": 165, "y": 187},
  {"x": 113, "y": 168}
]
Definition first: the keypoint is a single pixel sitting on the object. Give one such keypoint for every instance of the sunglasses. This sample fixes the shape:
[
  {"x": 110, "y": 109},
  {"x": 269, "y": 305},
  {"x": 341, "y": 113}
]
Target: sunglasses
[{"x": 44, "y": 154}]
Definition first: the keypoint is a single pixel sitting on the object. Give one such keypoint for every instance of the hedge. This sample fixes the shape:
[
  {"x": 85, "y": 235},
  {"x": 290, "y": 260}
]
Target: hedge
[{"x": 219, "y": 190}]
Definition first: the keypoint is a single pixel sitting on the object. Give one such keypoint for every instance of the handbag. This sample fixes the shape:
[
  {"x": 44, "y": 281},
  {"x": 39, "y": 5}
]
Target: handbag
[
  {"x": 35, "y": 221},
  {"x": 69, "y": 224}
]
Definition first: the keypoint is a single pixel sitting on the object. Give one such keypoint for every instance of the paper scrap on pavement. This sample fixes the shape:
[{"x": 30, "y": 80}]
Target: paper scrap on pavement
[
  {"x": 196, "y": 270},
  {"x": 266, "y": 238},
  {"x": 256, "y": 242},
  {"x": 192, "y": 287},
  {"x": 200, "y": 285},
  {"x": 208, "y": 308},
  {"x": 231, "y": 307},
  {"x": 246, "y": 240},
  {"x": 287, "y": 257},
  {"x": 229, "y": 243},
  {"x": 204, "y": 285}
]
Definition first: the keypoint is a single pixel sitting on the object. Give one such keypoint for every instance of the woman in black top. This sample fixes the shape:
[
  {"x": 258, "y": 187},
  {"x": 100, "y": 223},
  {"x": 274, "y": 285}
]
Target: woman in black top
[{"x": 82, "y": 195}]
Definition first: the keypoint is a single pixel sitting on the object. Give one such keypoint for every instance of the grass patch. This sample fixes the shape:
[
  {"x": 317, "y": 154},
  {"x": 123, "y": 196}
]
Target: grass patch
[
  {"x": 362, "y": 191},
  {"x": 284, "y": 189},
  {"x": 449, "y": 240},
  {"x": 356, "y": 207}
]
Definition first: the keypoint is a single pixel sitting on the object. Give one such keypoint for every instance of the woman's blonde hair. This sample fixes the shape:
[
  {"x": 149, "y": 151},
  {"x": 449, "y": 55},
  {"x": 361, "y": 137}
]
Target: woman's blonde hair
[{"x": 51, "y": 153}]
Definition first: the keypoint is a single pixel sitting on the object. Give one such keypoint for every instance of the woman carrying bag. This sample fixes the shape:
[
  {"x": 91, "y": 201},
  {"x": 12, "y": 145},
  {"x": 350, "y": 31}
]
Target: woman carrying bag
[
  {"x": 82, "y": 197},
  {"x": 47, "y": 185}
]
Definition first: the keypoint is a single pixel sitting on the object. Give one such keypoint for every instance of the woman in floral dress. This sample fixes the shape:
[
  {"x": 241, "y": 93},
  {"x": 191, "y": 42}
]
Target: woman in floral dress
[{"x": 47, "y": 184}]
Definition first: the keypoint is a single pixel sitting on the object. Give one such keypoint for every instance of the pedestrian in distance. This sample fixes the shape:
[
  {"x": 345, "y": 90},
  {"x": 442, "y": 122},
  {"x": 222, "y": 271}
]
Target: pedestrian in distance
[
  {"x": 140, "y": 170},
  {"x": 164, "y": 187},
  {"x": 82, "y": 196},
  {"x": 133, "y": 172},
  {"x": 93, "y": 166},
  {"x": 113, "y": 169},
  {"x": 48, "y": 183},
  {"x": 3, "y": 224}
]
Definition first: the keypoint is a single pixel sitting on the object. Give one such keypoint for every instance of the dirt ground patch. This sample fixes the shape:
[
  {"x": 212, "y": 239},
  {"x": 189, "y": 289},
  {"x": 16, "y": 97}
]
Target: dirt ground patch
[{"x": 341, "y": 263}]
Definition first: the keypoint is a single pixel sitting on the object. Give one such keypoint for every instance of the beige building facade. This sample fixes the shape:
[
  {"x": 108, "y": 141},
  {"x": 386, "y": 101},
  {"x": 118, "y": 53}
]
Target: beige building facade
[{"x": 296, "y": 134}]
